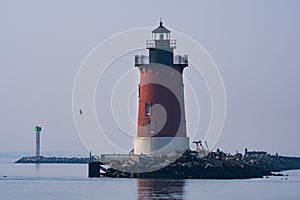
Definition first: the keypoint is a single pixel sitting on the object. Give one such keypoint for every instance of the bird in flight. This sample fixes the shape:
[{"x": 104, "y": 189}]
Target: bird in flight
[{"x": 80, "y": 111}]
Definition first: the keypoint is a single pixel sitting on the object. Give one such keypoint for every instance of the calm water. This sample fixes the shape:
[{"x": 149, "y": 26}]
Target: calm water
[{"x": 67, "y": 181}]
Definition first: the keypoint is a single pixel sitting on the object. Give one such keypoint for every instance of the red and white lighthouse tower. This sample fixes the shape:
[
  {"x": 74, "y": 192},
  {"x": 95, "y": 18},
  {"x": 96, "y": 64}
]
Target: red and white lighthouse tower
[{"x": 161, "y": 113}]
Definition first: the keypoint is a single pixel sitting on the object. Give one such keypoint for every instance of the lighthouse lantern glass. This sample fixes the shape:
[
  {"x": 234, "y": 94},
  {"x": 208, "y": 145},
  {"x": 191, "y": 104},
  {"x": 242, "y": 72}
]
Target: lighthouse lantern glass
[{"x": 161, "y": 36}]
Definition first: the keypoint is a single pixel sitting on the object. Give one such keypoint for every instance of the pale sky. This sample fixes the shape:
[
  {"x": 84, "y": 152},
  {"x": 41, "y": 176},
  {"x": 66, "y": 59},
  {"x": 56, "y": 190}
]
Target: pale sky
[{"x": 255, "y": 45}]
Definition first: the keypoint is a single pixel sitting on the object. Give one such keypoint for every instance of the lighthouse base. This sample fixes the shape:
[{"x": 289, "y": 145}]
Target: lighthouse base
[{"x": 160, "y": 145}]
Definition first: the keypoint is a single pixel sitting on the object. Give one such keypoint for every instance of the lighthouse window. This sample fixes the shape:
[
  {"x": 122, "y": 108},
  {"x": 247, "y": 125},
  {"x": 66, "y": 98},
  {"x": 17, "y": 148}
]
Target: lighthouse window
[
  {"x": 139, "y": 90},
  {"x": 148, "y": 109},
  {"x": 152, "y": 127}
]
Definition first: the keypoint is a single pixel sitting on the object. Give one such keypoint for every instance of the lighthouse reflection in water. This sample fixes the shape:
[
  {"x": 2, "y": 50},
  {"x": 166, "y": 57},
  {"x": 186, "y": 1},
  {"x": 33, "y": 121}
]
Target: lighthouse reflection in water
[{"x": 160, "y": 188}]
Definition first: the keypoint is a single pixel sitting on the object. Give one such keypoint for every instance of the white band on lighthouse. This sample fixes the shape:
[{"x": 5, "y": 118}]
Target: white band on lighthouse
[{"x": 160, "y": 145}]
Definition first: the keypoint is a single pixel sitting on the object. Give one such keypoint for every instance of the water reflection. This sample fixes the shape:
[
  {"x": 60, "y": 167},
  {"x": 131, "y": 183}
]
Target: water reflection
[
  {"x": 160, "y": 188},
  {"x": 37, "y": 169}
]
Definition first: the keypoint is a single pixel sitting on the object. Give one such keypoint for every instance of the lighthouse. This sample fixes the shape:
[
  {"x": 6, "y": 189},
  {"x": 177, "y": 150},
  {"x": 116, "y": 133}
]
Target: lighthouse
[{"x": 161, "y": 114}]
